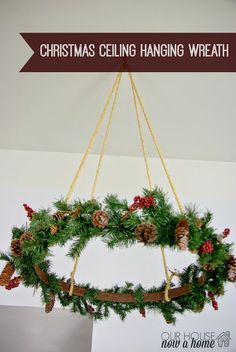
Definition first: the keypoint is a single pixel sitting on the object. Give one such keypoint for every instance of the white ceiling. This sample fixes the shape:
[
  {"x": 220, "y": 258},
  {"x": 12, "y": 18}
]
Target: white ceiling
[{"x": 192, "y": 113}]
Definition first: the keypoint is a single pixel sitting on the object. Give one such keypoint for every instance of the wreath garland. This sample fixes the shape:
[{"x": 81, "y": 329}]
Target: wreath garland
[{"x": 151, "y": 221}]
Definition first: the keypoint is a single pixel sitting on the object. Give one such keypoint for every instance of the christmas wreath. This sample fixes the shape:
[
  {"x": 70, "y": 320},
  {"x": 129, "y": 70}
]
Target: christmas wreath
[{"x": 151, "y": 221}]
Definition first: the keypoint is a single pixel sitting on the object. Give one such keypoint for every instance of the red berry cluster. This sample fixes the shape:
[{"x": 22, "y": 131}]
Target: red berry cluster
[
  {"x": 28, "y": 210},
  {"x": 15, "y": 282},
  {"x": 207, "y": 247},
  {"x": 141, "y": 202},
  {"x": 226, "y": 232},
  {"x": 142, "y": 311},
  {"x": 213, "y": 300}
]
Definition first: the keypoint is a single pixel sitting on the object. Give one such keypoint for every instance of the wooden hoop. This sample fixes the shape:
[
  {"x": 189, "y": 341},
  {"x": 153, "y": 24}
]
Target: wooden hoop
[{"x": 123, "y": 297}]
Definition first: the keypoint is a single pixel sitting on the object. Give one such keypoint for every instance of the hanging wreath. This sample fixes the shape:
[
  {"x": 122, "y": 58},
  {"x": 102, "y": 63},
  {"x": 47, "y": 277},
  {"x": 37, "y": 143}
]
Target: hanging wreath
[{"x": 150, "y": 221}]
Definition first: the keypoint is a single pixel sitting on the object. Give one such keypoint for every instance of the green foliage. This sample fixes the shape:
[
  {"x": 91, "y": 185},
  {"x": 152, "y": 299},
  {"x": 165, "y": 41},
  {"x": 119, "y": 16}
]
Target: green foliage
[
  {"x": 120, "y": 232},
  {"x": 17, "y": 232},
  {"x": 4, "y": 256}
]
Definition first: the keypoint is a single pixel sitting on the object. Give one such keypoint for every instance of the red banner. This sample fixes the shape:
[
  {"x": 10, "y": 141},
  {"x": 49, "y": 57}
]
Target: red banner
[{"x": 143, "y": 52}]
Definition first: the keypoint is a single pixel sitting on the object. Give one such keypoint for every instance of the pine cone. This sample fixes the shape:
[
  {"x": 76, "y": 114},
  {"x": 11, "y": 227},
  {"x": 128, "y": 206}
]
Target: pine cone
[
  {"x": 199, "y": 308},
  {"x": 146, "y": 233},
  {"x": 231, "y": 266},
  {"x": 182, "y": 234},
  {"x": 6, "y": 274},
  {"x": 25, "y": 237},
  {"x": 54, "y": 229},
  {"x": 16, "y": 248},
  {"x": 183, "y": 243},
  {"x": 100, "y": 219},
  {"x": 232, "y": 262},
  {"x": 232, "y": 275},
  {"x": 75, "y": 213},
  {"x": 49, "y": 306},
  {"x": 182, "y": 229},
  {"x": 3, "y": 282},
  {"x": 59, "y": 215}
]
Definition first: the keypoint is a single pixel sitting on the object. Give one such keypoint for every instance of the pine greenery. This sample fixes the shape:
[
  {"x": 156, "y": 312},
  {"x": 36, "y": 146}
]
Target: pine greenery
[{"x": 120, "y": 232}]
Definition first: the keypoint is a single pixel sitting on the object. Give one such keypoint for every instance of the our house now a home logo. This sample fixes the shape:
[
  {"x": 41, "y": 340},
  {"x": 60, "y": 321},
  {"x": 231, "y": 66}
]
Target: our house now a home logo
[{"x": 195, "y": 340}]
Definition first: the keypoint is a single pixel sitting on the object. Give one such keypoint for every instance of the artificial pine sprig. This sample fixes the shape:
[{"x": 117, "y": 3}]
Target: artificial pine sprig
[{"x": 120, "y": 223}]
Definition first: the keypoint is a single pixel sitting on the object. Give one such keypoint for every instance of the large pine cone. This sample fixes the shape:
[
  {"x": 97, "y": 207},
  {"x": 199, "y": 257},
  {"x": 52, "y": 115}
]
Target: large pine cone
[
  {"x": 6, "y": 274},
  {"x": 49, "y": 306},
  {"x": 16, "y": 248},
  {"x": 182, "y": 234},
  {"x": 146, "y": 233},
  {"x": 25, "y": 237},
  {"x": 231, "y": 266},
  {"x": 182, "y": 229},
  {"x": 100, "y": 219}
]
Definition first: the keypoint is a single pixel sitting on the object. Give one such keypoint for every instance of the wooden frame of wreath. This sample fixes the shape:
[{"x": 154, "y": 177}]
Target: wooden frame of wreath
[{"x": 150, "y": 220}]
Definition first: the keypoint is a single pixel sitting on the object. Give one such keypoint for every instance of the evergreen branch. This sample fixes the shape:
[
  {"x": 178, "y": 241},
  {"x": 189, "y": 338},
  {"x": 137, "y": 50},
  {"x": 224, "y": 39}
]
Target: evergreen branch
[{"x": 4, "y": 256}]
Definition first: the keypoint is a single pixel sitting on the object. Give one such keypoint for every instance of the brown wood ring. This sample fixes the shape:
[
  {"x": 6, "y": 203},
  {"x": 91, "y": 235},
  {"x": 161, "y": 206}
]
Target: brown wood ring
[{"x": 123, "y": 297}]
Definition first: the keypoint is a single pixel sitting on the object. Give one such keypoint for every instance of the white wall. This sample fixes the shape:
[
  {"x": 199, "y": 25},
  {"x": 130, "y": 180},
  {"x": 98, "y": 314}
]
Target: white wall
[{"x": 38, "y": 178}]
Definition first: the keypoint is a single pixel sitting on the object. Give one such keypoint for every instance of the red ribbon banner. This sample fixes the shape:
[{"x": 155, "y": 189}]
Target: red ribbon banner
[{"x": 142, "y": 52}]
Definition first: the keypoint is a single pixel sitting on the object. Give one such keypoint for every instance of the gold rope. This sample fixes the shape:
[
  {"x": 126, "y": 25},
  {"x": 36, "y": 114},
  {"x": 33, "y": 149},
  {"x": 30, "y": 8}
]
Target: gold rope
[
  {"x": 168, "y": 278},
  {"x": 168, "y": 286},
  {"x": 104, "y": 143},
  {"x": 142, "y": 139},
  {"x": 90, "y": 145},
  {"x": 72, "y": 276},
  {"x": 158, "y": 149},
  {"x": 179, "y": 203},
  {"x": 91, "y": 142}
]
